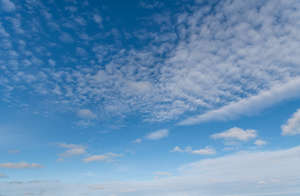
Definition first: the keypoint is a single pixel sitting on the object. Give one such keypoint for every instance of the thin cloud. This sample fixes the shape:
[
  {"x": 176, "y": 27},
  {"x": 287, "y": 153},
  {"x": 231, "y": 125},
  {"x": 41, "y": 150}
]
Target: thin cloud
[
  {"x": 21, "y": 165},
  {"x": 260, "y": 142},
  {"x": 8, "y": 5},
  {"x": 157, "y": 135},
  {"x": 204, "y": 151},
  {"x": 250, "y": 105},
  {"x": 86, "y": 114},
  {"x": 108, "y": 157},
  {"x": 72, "y": 149},
  {"x": 237, "y": 134},
  {"x": 292, "y": 126}
]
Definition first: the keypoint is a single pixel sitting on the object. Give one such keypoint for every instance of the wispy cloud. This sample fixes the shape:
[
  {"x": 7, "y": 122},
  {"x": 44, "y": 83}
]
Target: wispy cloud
[
  {"x": 237, "y": 134},
  {"x": 250, "y": 105},
  {"x": 72, "y": 149},
  {"x": 86, "y": 114},
  {"x": 250, "y": 64},
  {"x": 3, "y": 176},
  {"x": 292, "y": 126},
  {"x": 21, "y": 165},
  {"x": 204, "y": 151},
  {"x": 260, "y": 142},
  {"x": 226, "y": 175},
  {"x": 8, "y": 5},
  {"x": 157, "y": 135},
  {"x": 108, "y": 157}
]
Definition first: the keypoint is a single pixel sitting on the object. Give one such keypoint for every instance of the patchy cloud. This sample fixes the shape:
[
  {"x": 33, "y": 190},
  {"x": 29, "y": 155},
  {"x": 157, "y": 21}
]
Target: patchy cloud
[
  {"x": 260, "y": 142},
  {"x": 21, "y": 165},
  {"x": 237, "y": 134},
  {"x": 8, "y": 5},
  {"x": 204, "y": 151},
  {"x": 216, "y": 68},
  {"x": 292, "y": 126},
  {"x": 3, "y": 176},
  {"x": 72, "y": 150},
  {"x": 108, "y": 157},
  {"x": 157, "y": 135},
  {"x": 242, "y": 173},
  {"x": 86, "y": 114}
]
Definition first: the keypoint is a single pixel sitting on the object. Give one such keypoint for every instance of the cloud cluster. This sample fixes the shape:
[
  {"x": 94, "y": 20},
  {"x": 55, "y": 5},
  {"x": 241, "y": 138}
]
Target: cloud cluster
[{"x": 219, "y": 61}]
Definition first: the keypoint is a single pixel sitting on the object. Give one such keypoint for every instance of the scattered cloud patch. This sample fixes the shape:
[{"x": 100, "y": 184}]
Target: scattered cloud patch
[
  {"x": 14, "y": 151},
  {"x": 242, "y": 173},
  {"x": 236, "y": 134},
  {"x": 72, "y": 150},
  {"x": 137, "y": 141},
  {"x": 3, "y": 176},
  {"x": 86, "y": 114},
  {"x": 108, "y": 157},
  {"x": 21, "y": 165},
  {"x": 204, "y": 151},
  {"x": 8, "y": 5},
  {"x": 157, "y": 135},
  {"x": 260, "y": 142},
  {"x": 249, "y": 105},
  {"x": 292, "y": 126}
]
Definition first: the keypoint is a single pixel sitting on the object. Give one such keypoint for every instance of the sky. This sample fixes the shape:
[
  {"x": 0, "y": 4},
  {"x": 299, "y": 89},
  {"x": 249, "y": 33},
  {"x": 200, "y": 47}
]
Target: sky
[{"x": 149, "y": 98}]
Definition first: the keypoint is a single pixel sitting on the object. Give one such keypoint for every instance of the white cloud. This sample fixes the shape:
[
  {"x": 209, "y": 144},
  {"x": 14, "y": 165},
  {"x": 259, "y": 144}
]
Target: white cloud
[
  {"x": 86, "y": 114},
  {"x": 250, "y": 105},
  {"x": 21, "y": 165},
  {"x": 177, "y": 149},
  {"x": 97, "y": 18},
  {"x": 108, "y": 157},
  {"x": 236, "y": 133},
  {"x": 220, "y": 69},
  {"x": 8, "y": 5},
  {"x": 259, "y": 173},
  {"x": 260, "y": 142},
  {"x": 137, "y": 141},
  {"x": 72, "y": 149},
  {"x": 157, "y": 135},
  {"x": 292, "y": 126},
  {"x": 204, "y": 151}
]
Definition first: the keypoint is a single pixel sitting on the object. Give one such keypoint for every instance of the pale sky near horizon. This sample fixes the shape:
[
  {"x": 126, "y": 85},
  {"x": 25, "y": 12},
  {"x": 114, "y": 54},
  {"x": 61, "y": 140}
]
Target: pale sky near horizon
[{"x": 149, "y": 98}]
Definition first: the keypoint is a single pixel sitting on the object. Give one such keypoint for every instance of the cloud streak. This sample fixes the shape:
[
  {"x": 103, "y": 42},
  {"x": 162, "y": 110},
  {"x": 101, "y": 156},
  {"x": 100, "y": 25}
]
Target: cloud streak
[
  {"x": 251, "y": 105},
  {"x": 21, "y": 165}
]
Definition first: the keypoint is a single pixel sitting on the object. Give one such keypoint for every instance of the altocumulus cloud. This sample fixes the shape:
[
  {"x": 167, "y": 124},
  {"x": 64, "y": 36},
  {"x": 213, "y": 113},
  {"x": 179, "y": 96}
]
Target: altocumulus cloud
[
  {"x": 21, "y": 165},
  {"x": 257, "y": 45}
]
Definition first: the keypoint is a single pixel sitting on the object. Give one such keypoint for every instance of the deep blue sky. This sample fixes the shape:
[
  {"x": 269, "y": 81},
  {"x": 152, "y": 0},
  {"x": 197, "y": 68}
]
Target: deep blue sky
[{"x": 167, "y": 98}]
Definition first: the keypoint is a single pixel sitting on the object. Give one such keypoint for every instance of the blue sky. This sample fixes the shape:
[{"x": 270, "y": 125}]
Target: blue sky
[{"x": 148, "y": 97}]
